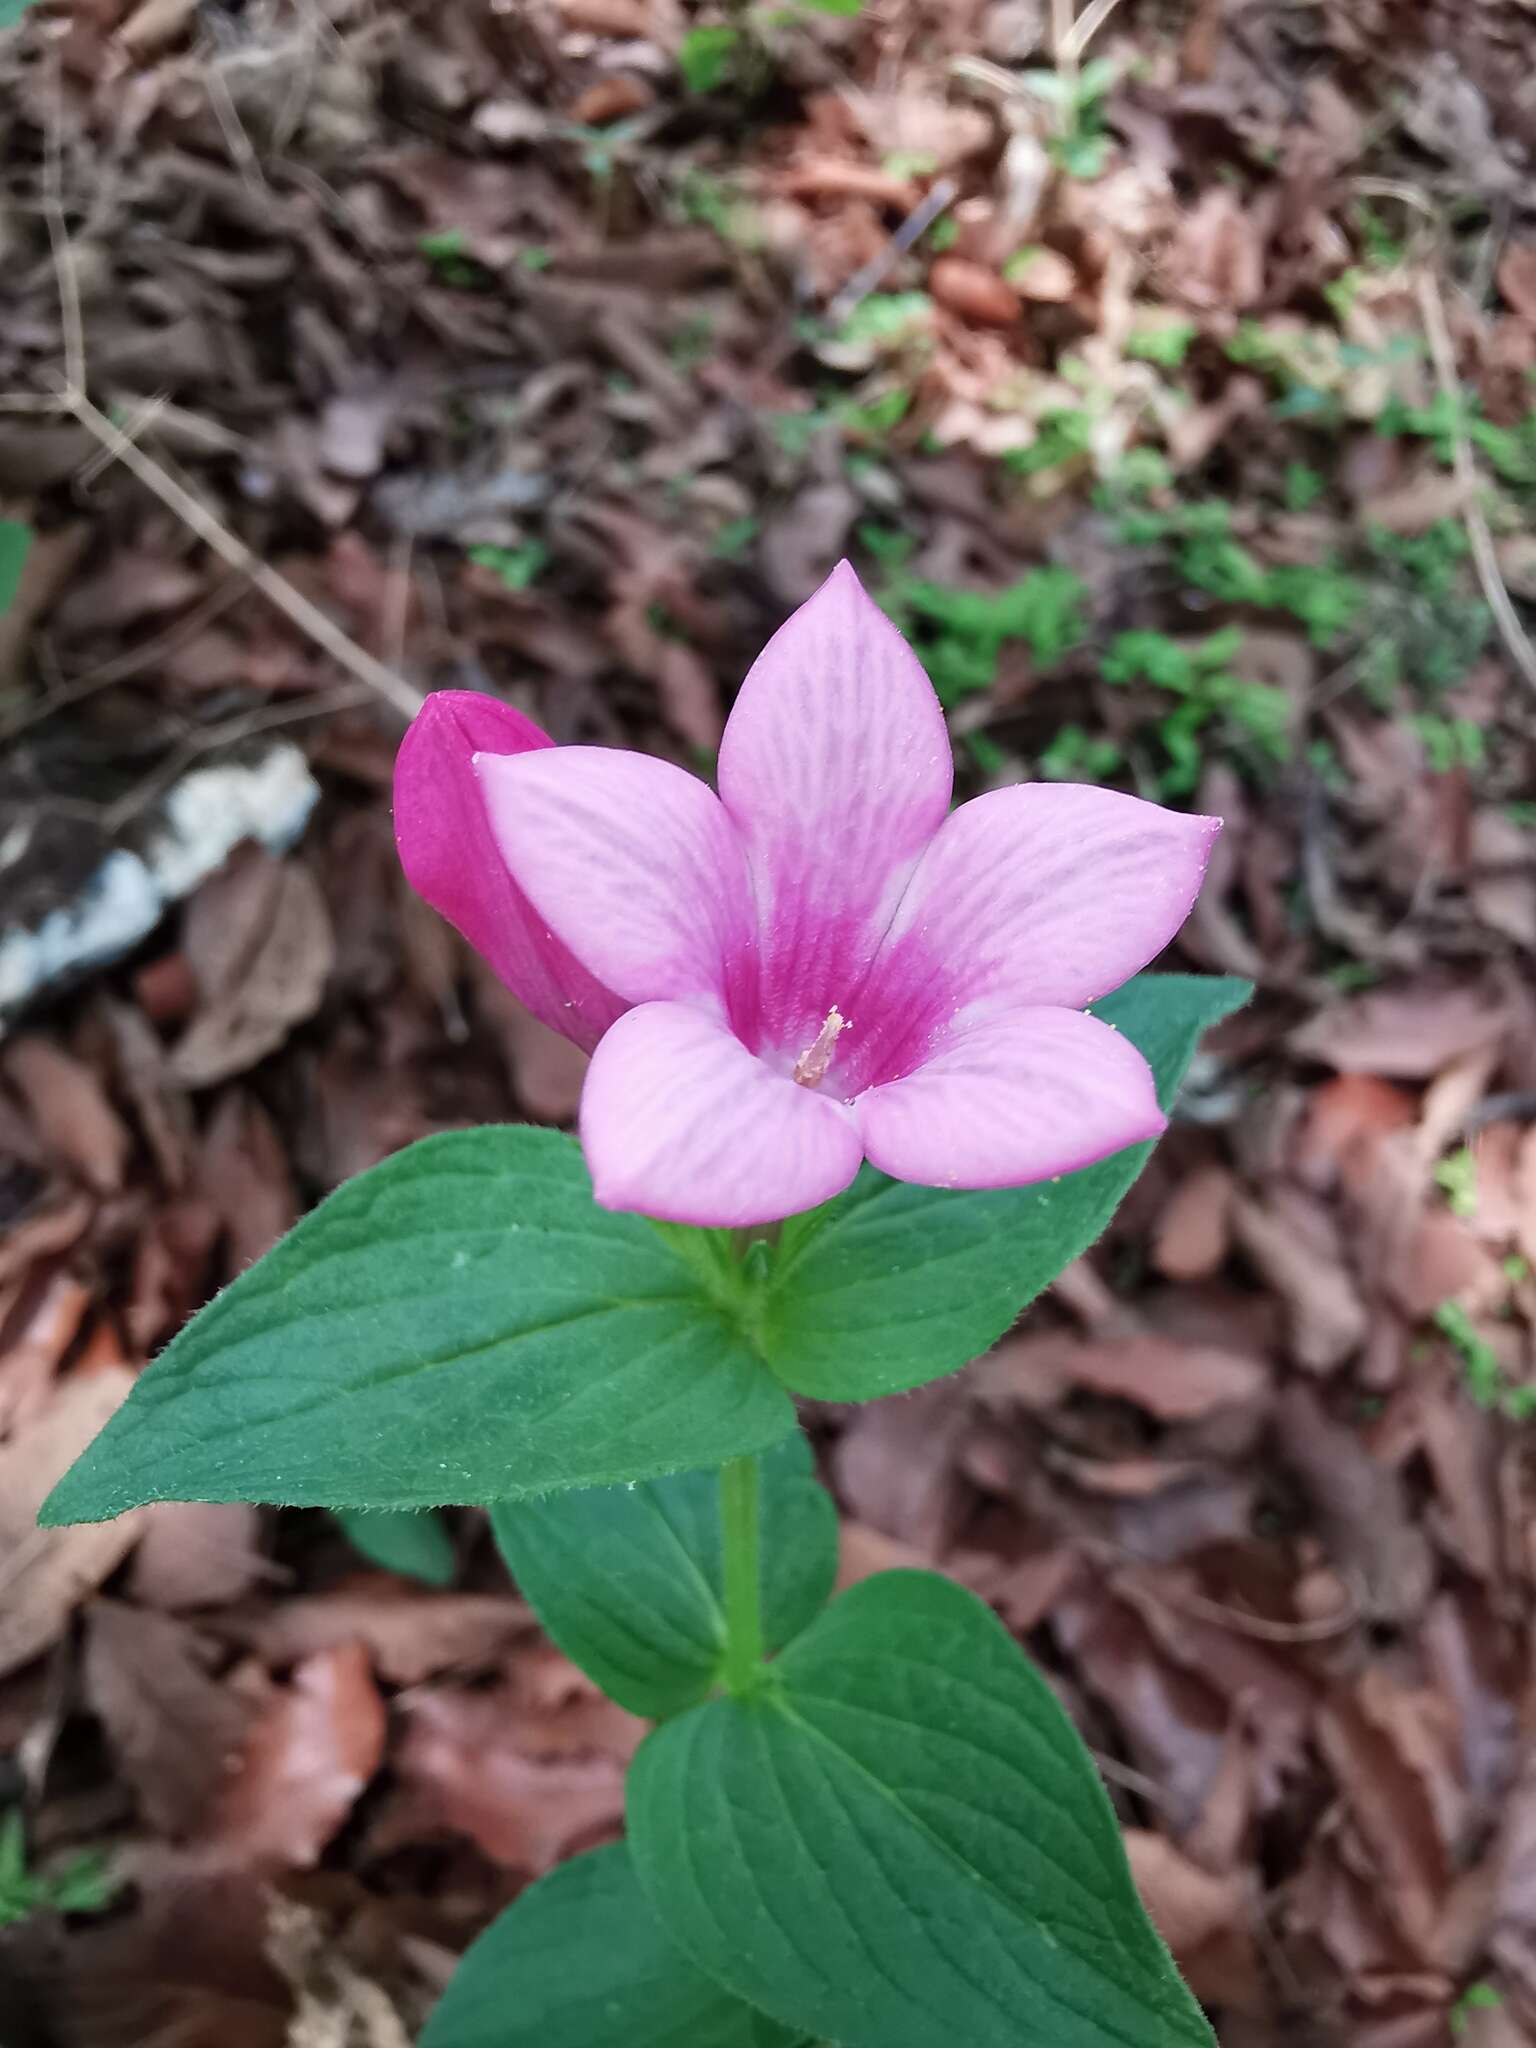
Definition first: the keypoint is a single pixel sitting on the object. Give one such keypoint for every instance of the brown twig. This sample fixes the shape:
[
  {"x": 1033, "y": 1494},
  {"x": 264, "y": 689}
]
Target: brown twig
[
  {"x": 1485, "y": 558},
  {"x": 277, "y": 590}
]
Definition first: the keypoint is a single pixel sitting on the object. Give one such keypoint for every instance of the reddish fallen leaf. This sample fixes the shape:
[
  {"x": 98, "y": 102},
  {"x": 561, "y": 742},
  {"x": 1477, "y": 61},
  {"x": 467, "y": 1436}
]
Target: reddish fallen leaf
[
  {"x": 308, "y": 1756},
  {"x": 1205, "y": 1919},
  {"x": 464, "y": 1768},
  {"x": 844, "y": 178},
  {"x": 1343, "y": 1116},
  {"x": 609, "y": 99},
  {"x": 1517, "y": 277},
  {"x": 44, "y": 1329},
  {"x": 546, "y": 1071},
  {"x": 1194, "y": 1229},
  {"x": 45, "y": 1573},
  {"x": 173, "y": 1728},
  {"x": 71, "y": 1110},
  {"x": 52, "y": 1229},
  {"x": 895, "y": 1466},
  {"x": 976, "y": 293}
]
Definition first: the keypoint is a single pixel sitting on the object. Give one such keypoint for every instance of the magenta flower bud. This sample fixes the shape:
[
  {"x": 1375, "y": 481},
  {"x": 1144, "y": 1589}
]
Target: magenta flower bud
[{"x": 821, "y": 964}]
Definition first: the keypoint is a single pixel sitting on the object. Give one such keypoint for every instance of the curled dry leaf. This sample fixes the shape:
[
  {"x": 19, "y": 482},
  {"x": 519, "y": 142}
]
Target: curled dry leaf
[
  {"x": 260, "y": 944},
  {"x": 1406, "y": 1032},
  {"x": 1294, "y": 1243},
  {"x": 243, "y": 1173},
  {"x": 466, "y": 1766},
  {"x": 309, "y": 1754},
  {"x": 45, "y": 1573},
  {"x": 980, "y": 296},
  {"x": 197, "y": 1554},
  {"x": 70, "y": 1108},
  {"x": 1194, "y": 1229},
  {"x": 1172, "y": 1380},
  {"x": 895, "y": 1466}
]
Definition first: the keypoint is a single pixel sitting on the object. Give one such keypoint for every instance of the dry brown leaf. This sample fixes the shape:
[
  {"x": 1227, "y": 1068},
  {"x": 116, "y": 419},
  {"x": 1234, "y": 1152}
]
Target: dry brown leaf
[
  {"x": 70, "y": 1108},
  {"x": 1517, "y": 277},
  {"x": 197, "y": 1554},
  {"x": 1406, "y": 1032},
  {"x": 1194, "y": 1229},
  {"x": 1502, "y": 881},
  {"x": 243, "y": 1172},
  {"x": 259, "y": 941},
  {"x": 465, "y": 1767},
  {"x": 895, "y": 1466},
  {"x": 39, "y": 1236},
  {"x": 45, "y": 1573},
  {"x": 172, "y": 1727},
  {"x": 44, "y": 1333},
  {"x": 1294, "y": 1243},
  {"x": 309, "y": 1754},
  {"x": 1205, "y": 1919},
  {"x": 1360, "y": 1507},
  {"x": 411, "y": 1635},
  {"x": 1173, "y": 1380},
  {"x": 609, "y": 99},
  {"x": 1047, "y": 278},
  {"x": 979, "y": 295}
]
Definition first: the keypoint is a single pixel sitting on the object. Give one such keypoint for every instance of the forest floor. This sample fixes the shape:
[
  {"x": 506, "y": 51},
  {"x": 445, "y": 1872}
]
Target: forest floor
[{"x": 1170, "y": 376}]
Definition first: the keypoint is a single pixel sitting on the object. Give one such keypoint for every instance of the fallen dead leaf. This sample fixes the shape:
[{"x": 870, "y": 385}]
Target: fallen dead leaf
[
  {"x": 1293, "y": 1242},
  {"x": 411, "y": 1635},
  {"x": 197, "y": 1554},
  {"x": 1172, "y": 1380},
  {"x": 71, "y": 1110},
  {"x": 1517, "y": 277},
  {"x": 1194, "y": 1230},
  {"x": 895, "y": 1466},
  {"x": 1360, "y": 1506},
  {"x": 1204, "y": 1918},
  {"x": 172, "y": 1726},
  {"x": 259, "y": 941},
  {"x": 243, "y": 1173},
  {"x": 979, "y": 295},
  {"x": 1406, "y": 1032},
  {"x": 465, "y": 1767},
  {"x": 45, "y": 1573},
  {"x": 309, "y": 1754}
]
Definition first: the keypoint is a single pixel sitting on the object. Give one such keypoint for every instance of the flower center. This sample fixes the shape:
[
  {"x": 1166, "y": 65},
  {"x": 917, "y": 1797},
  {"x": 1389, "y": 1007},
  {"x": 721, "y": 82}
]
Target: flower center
[{"x": 817, "y": 1057}]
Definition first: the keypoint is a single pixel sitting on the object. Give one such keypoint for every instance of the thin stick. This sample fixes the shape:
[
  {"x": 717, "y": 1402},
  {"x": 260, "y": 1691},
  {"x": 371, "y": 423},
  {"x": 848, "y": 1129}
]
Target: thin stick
[
  {"x": 917, "y": 222},
  {"x": 275, "y": 588},
  {"x": 1464, "y": 466},
  {"x": 1088, "y": 25},
  {"x": 58, "y": 233},
  {"x": 1063, "y": 44}
]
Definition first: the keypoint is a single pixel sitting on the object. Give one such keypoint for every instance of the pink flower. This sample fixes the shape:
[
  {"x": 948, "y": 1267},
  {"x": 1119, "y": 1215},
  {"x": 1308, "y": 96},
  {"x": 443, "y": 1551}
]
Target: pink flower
[{"x": 822, "y": 964}]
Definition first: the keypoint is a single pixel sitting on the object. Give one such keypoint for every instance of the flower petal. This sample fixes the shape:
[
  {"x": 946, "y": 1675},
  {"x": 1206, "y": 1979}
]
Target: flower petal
[
  {"x": 450, "y": 857},
  {"x": 1045, "y": 893},
  {"x": 1015, "y": 1099},
  {"x": 837, "y": 770},
  {"x": 631, "y": 861},
  {"x": 681, "y": 1122}
]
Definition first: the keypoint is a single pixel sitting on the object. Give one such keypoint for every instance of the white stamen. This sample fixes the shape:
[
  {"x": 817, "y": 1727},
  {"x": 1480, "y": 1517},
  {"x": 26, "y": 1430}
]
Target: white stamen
[{"x": 817, "y": 1057}]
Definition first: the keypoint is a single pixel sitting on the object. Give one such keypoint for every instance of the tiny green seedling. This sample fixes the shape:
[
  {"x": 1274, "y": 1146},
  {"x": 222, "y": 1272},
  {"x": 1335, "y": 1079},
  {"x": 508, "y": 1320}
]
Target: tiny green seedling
[
  {"x": 84, "y": 1884},
  {"x": 1081, "y": 142},
  {"x": 517, "y": 567}
]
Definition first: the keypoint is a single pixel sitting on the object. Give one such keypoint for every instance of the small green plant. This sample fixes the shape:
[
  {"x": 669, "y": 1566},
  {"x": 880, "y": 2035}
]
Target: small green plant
[
  {"x": 446, "y": 249},
  {"x": 1509, "y": 451},
  {"x": 735, "y": 538},
  {"x": 1076, "y": 755},
  {"x": 1064, "y": 435},
  {"x": 960, "y": 634},
  {"x": 1080, "y": 144},
  {"x": 83, "y": 1885},
  {"x": 15, "y": 546},
  {"x": 1456, "y": 1177},
  {"x": 1250, "y": 718},
  {"x": 735, "y": 53},
  {"x": 1480, "y": 1997},
  {"x": 1302, "y": 487},
  {"x": 1165, "y": 344},
  {"x": 1450, "y": 743},
  {"x": 1482, "y": 1375},
  {"x": 517, "y": 567}
]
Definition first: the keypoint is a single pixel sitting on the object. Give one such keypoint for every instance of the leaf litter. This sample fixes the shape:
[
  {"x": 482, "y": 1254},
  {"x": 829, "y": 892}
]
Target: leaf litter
[{"x": 540, "y": 372}]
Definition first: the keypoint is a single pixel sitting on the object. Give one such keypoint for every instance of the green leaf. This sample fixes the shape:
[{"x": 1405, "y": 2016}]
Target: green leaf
[
  {"x": 580, "y": 1962},
  {"x": 460, "y": 1324},
  {"x": 628, "y": 1580},
  {"x": 412, "y": 1542},
  {"x": 844, "y": 7},
  {"x": 705, "y": 56},
  {"x": 15, "y": 534},
  {"x": 900, "y": 1842},
  {"x": 892, "y": 1285}
]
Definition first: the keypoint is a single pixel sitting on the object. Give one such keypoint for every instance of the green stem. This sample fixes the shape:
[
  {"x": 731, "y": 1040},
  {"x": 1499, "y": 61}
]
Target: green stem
[{"x": 743, "y": 1660}]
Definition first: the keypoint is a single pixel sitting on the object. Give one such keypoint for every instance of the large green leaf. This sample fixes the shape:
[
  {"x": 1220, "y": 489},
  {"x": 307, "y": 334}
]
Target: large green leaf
[
  {"x": 628, "y": 1579},
  {"x": 459, "y": 1324},
  {"x": 892, "y": 1285},
  {"x": 900, "y": 1842},
  {"x": 411, "y": 1541},
  {"x": 580, "y": 1962}
]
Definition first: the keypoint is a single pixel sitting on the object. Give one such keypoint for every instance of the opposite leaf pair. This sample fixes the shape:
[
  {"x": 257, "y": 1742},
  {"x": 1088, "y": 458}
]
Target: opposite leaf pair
[{"x": 895, "y": 1840}]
